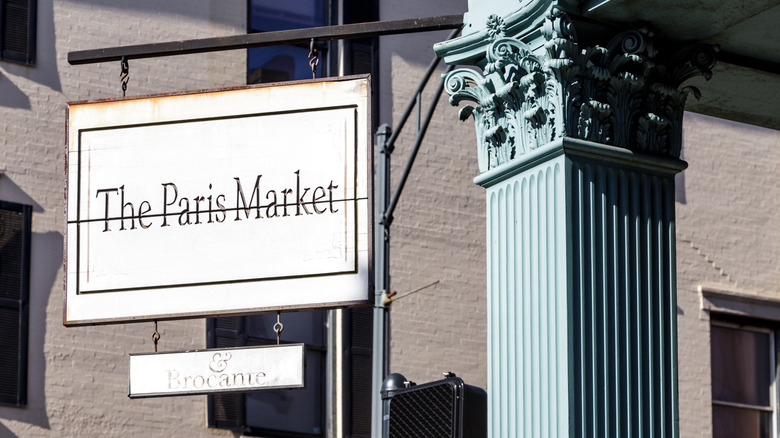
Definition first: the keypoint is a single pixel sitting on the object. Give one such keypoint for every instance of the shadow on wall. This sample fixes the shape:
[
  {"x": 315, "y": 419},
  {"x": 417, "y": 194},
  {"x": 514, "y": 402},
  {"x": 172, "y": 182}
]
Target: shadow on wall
[
  {"x": 10, "y": 95},
  {"x": 5, "y": 432},
  {"x": 46, "y": 262},
  {"x": 11, "y": 192},
  {"x": 44, "y": 72}
]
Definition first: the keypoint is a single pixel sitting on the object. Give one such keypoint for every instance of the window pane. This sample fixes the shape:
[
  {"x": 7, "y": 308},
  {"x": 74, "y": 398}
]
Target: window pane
[
  {"x": 282, "y": 63},
  {"x": 306, "y": 327},
  {"x": 273, "y": 15},
  {"x": 740, "y": 366},
  {"x": 291, "y": 411},
  {"x": 731, "y": 422}
]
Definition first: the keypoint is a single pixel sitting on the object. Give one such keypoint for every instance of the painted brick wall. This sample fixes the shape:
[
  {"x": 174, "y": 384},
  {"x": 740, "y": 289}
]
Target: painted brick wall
[
  {"x": 78, "y": 376},
  {"x": 728, "y": 233},
  {"x": 439, "y": 228},
  {"x": 728, "y": 237},
  {"x": 728, "y": 230}
]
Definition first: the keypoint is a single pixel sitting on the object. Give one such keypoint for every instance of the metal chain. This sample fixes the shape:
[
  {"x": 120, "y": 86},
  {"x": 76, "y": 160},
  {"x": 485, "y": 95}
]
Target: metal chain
[
  {"x": 124, "y": 74},
  {"x": 155, "y": 336},
  {"x": 278, "y": 327},
  {"x": 314, "y": 59}
]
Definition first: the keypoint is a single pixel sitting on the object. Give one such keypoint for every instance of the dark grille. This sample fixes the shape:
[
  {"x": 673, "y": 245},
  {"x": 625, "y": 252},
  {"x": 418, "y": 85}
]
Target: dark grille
[
  {"x": 361, "y": 328},
  {"x": 11, "y": 228},
  {"x": 15, "y": 221},
  {"x": 428, "y": 412},
  {"x": 9, "y": 345},
  {"x": 14, "y": 25},
  {"x": 362, "y": 61},
  {"x": 361, "y": 339}
]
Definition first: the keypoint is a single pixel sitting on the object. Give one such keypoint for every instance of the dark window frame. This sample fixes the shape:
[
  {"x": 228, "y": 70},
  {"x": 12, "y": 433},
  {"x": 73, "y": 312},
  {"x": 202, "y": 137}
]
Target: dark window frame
[
  {"x": 19, "y": 398},
  {"x": 233, "y": 332},
  {"x": 324, "y": 48},
  {"x": 760, "y": 326},
  {"x": 27, "y": 56}
]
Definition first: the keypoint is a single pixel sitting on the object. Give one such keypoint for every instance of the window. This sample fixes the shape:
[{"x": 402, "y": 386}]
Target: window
[
  {"x": 17, "y": 30},
  {"x": 744, "y": 402},
  {"x": 276, "y": 413},
  {"x": 15, "y": 223},
  {"x": 296, "y": 413},
  {"x": 284, "y": 63}
]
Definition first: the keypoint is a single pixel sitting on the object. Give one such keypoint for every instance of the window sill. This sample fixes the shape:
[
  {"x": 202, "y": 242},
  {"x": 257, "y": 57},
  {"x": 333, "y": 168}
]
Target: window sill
[{"x": 739, "y": 303}]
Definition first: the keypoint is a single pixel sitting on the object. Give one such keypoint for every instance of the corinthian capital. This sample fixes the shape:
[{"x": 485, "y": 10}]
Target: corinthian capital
[{"x": 539, "y": 84}]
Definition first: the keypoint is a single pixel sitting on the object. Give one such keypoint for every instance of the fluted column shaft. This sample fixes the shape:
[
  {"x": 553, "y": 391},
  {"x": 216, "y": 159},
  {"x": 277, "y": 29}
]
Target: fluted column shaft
[{"x": 581, "y": 293}]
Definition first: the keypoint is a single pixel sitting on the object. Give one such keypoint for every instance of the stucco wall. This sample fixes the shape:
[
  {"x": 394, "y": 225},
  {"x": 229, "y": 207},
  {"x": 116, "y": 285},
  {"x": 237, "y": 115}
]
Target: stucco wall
[{"x": 78, "y": 376}]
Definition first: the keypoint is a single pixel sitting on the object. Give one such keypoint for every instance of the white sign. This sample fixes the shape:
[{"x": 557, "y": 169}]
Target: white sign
[
  {"x": 220, "y": 202},
  {"x": 217, "y": 371}
]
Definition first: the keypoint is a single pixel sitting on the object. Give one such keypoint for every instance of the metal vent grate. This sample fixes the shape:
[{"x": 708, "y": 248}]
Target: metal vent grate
[{"x": 428, "y": 412}]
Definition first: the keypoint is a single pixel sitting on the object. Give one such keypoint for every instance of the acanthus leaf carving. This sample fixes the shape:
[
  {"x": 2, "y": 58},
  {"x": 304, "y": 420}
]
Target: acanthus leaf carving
[{"x": 627, "y": 93}]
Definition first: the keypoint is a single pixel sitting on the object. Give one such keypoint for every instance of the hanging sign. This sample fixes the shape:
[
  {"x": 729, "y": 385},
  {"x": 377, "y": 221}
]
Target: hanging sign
[
  {"x": 219, "y": 202},
  {"x": 217, "y": 371}
]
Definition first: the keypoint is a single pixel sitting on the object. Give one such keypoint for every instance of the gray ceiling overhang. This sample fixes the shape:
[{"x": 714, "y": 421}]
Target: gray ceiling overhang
[{"x": 745, "y": 85}]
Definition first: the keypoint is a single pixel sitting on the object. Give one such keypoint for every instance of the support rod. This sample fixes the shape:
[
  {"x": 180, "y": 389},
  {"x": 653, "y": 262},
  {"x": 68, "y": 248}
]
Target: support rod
[
  {"x": 409, "y": 107},
  {"x": 263, "y": 39},
  {"x": 380, "y": 362},
  {"x": 388, "y": 218}
]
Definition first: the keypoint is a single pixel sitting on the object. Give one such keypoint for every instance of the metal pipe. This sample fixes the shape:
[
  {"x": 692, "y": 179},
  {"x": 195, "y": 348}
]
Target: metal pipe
[
  {"x": 263, "y": 39},
  {"x": 388, "y": 217},
  {"x": 423, "y": 82},
  {"x": 380, "y": 344}
]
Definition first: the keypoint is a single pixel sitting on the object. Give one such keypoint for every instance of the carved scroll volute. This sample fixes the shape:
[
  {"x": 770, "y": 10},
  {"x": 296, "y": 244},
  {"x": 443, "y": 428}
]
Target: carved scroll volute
[
  {"x": 512, "y": 102},
  {"x": 468, "y": 85},
  {"x": 626, "y": 93}
]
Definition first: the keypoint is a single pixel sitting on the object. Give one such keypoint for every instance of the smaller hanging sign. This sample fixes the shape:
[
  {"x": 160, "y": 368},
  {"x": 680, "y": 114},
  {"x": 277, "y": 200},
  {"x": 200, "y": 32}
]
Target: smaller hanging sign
[{"x": 217, "y": 371}]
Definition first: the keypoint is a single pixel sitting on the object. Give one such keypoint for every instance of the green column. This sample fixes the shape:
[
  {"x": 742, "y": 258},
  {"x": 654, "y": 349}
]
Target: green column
[
  {"x": 581, "y": 293},
  {"x": 578, "y": 145}
]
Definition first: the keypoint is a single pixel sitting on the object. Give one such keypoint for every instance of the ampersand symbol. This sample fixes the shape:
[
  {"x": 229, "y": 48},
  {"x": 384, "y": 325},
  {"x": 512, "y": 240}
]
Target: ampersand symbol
[{"x": 219, "y": 362}]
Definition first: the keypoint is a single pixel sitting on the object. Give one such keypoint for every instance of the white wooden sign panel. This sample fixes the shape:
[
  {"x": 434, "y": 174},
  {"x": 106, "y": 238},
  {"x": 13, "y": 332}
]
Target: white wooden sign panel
[
  {"x": 217, "y": 371},
  {"x": 219, "y": 202}
]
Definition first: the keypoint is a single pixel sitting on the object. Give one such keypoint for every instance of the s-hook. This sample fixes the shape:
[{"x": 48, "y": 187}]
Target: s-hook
[
  {"x": 314, "y": 59},
  {"x": 155, "y": 336},
  {"x": 278, "y": 327},
  {"x": 124, "y": 74}
]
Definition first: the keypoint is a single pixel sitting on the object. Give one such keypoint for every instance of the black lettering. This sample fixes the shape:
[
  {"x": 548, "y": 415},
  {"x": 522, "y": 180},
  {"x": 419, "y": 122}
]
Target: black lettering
[
  {"x": 184, "y": 216},
  {"x": 316, "y": 198},
  {"x": 330, "y": 197},
  {"x": 222, "y": 209},
  {"x": 125, "y": 205},
  {"x": 271, "y": 204},
  {"x": 198, "y": 200},
  {"x": 210, "y": 206},
  {"x": 300, "y": 203},
  {"x": 286, "y": 192},
  {"x": 166, "y": 203},
  {"x": 142, "y": 211},
  {"x": 240, "y": 198},
  {"x": 106, "y": 191}
]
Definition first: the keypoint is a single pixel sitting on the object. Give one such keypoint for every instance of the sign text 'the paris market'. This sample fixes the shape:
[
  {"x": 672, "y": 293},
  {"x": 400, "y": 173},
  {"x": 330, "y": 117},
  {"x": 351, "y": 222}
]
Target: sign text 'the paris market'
[{"x": 208, "y": 207}]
